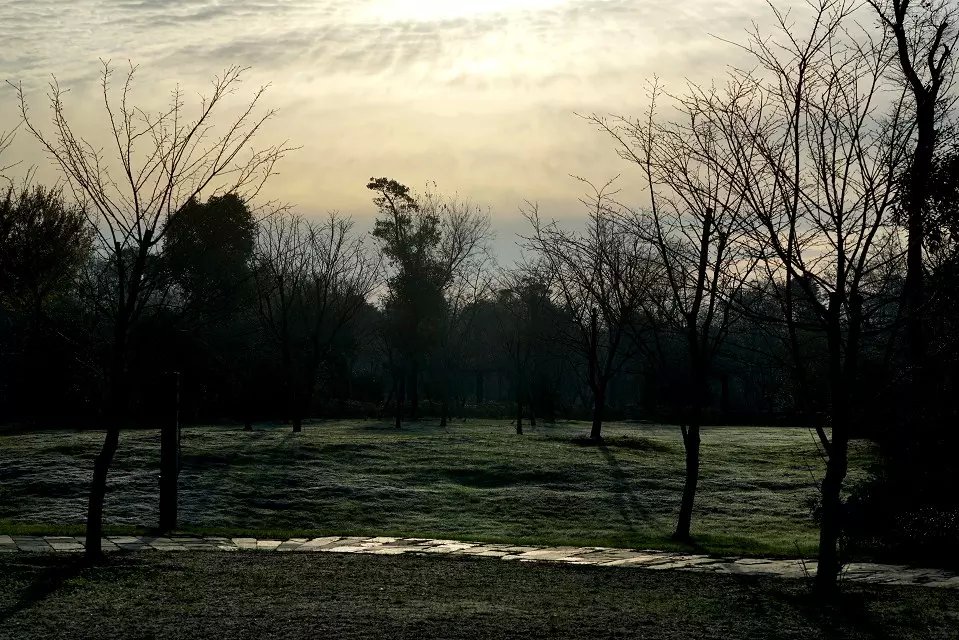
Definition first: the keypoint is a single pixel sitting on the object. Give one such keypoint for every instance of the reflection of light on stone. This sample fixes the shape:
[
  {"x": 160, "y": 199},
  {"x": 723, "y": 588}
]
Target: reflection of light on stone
[{"x": 431, "y": 10}]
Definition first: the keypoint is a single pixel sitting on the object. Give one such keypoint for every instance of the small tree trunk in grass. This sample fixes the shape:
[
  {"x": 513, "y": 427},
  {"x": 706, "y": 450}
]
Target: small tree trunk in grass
[
  {"x": 304, "y": 406},
  {"x": 400, "y": 401},
  {"x": 414, "y": 391},
  {"x": 170, "y": 459},
  {"x": 599, "y": 402},
  {"x": 830, "y": 528},
  {"x": 532, "y": 414},
  {"x": 247, "y": 405},
  {"x": 295, "y": 408},
  {"x": 837, "y": 460},
  {"x": 519, "y": 416},
  {"x": 597, "y": 385},
  {"x": 104, "y": 460},
  {"x": 98, "y": 492},
  {"x": 444, "y": 403},
  {"x": 691, "y": 441}
]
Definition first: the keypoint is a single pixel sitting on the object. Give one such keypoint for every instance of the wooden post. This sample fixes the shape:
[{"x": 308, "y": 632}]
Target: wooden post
[{"x": 170, "y": 453}]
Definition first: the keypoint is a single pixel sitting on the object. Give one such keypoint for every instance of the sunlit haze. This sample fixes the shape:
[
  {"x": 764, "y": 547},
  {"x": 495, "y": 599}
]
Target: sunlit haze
[{"x": 480, "y": 97}]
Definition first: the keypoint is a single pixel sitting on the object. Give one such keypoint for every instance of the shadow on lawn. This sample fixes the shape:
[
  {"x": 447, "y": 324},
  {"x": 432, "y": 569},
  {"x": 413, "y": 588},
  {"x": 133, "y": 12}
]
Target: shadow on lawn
[
  {"x": 836, "y": 618},
  {"x": 626, "y": 499},
  {"x": 634, "y": 443},
  {"x": 48, "y": 574},
  {"x": 51, "y": 575}
]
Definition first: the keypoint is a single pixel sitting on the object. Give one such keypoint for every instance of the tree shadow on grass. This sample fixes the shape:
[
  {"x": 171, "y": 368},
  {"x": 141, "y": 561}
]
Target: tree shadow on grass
[
  {"x": 633, "y": 443},
  {"x": 836, "y": 617},
  {"x": 626, "y": 500},
  {"x": 776, "y": 606},
  {"x": 50, "y": 576}
]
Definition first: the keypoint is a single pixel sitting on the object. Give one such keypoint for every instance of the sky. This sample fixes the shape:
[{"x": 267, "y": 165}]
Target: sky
[{"x": 478, "y": 96}]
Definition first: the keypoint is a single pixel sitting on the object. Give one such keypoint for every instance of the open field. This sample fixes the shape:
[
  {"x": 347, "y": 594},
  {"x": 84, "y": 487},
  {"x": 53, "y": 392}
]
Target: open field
[
  {"x": 255, "y": 595},
  {"x": 471, "y": 481}
]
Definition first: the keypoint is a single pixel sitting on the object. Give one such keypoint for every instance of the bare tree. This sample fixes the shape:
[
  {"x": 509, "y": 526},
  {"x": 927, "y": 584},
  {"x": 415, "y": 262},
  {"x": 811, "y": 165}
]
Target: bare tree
[
  {"x": 602, "y": 277},
  {"x": 311, "y": 281},
  {"x": 465, "y": 261},
  {"x": 463, "y": 298},
  {"x": 281, "y": 272},
  {"x": 6, "y": 139},
  {"x": 696, "y": 223},
  {"x": 923, "y": 37},
  {"x": 523, "y": 302},
  {"x": 159, "y": 161},
  {"x": 816, "y": 158}
]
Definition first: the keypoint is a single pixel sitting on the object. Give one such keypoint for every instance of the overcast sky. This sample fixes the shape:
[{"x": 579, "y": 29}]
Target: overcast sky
[{"x": 478, "y": 96}]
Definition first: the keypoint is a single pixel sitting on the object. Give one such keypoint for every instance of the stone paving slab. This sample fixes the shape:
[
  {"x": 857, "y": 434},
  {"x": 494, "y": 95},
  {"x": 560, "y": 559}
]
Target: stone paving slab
[{"x": 596, "y": 556}]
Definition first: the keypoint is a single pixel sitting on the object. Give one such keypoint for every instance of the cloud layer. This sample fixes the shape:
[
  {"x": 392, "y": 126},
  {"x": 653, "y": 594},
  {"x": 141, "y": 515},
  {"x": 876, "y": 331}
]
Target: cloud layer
[{"x": 479, "y": 96}]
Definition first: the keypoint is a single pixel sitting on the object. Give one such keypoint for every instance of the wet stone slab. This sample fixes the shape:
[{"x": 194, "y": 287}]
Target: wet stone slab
[
  {"x": 318, "y": 543},
  {"x": 554, "y": 554},
  {"x": 387, "y": 545}
]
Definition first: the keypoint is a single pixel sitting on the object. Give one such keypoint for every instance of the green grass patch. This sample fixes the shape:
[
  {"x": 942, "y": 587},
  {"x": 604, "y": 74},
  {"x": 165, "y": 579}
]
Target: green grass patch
[{"x": 472, "y": 481}]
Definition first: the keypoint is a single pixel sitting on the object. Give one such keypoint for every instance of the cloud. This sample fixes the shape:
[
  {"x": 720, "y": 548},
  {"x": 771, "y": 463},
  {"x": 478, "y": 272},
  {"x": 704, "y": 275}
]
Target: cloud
[{"x": 480, "y": 100}]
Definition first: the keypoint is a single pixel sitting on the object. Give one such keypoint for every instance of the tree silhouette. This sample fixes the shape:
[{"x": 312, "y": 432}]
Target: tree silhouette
[
  {"x": 312, "y": 279},
  {"x": 697, "y": 225},
  {"x": 165, "y": 160},
  {"x": 602, "y": 278},
  {"x": 430, "y": 246}
]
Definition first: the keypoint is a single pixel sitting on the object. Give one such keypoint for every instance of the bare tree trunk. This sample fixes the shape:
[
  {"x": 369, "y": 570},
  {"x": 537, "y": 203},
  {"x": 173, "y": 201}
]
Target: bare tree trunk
[
  {"x": 400, "y": 400},
  {"x": 444, "y": 401},
  {"x": 837, "y": 461},
  {"x": 597, "y": 384},
  {"x": 519, "y": 412},
  {"x": 414, "y": 390},
  {"x": 297, "y": 420},
  {"x": 289, "y": 380},
  {"x": 830, "y": 528},
  {"x": 532, "y": 411},
  {"x": 691, "y": 442},
  {"x": 599, "y": 407},
  {"x": 104, "y": 460},
  {"x": 915, "y": 209},
  {"x": 691, "y": 436},
  {"x": 305, "y": 408},
  {"x": 170, "y": 455},
  {"x": 913, "y": 288},
  {"x": 98, "y": 492}
]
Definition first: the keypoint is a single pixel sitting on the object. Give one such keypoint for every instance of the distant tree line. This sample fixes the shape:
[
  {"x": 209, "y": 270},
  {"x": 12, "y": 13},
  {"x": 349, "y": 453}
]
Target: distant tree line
[{"x": 797, "y": 263}]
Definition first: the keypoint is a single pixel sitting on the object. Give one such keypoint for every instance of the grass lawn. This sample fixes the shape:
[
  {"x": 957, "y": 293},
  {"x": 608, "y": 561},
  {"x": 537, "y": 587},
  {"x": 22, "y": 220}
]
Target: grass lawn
[
  {"x": 473, "y": 481},
  {"x": 251, "y": 595}
]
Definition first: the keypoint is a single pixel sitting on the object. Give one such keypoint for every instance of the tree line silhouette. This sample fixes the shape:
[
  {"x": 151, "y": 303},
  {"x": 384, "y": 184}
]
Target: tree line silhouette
[{"x": 796, "y": 264}]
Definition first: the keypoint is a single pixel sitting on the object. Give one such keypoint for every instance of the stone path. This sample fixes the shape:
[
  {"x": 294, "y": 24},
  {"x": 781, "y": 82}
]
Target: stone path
[{"x": 598, "y": 556}]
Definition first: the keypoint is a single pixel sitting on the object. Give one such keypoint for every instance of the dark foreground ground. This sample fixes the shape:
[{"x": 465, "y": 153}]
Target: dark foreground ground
[{"x": 251, "y": 595}]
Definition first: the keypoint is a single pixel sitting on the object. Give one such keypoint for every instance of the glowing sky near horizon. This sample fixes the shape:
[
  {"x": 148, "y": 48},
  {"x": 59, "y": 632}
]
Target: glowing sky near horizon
[{"x": 479, "y": 96}]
